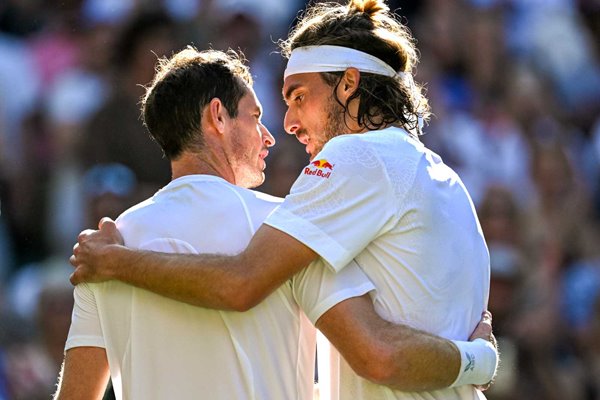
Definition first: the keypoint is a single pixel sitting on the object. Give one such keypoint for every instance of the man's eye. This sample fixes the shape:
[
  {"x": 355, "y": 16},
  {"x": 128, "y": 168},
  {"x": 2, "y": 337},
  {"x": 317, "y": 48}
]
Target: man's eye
[{"x": 300, "y": 97}]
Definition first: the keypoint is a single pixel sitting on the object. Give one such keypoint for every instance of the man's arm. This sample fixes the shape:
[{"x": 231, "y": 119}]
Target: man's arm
[
  {"x": 213, "y": 281},
  {"x": 84, "y": 374},
  {"x": 399, "y": 356}
]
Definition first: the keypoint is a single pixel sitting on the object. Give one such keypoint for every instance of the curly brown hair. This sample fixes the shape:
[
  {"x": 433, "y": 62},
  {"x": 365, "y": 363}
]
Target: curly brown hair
[{"x": 368, "y": 26}]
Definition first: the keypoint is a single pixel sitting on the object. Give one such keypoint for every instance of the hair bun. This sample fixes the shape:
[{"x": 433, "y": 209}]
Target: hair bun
[{"x": 369, "y": 7}]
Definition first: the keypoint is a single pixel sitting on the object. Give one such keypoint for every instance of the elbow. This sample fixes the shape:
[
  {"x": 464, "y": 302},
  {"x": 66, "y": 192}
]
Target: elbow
[
  {"x": 384, "y": 366},
  {"x": 244, "y": 287},
  {"x": 241, "y": 296},
  {"x": 242, "y": 301},
  {"x": 374, "y": 364},
  {"x": 377, "y": 369}
]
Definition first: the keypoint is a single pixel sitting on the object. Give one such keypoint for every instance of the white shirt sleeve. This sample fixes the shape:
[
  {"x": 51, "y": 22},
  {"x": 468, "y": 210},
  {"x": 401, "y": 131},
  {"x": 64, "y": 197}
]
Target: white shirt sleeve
[
  {"x": 318, "y": 288},
  {"x": 86, "y": 328},
  {"x": 340, "y": 203},
  {"x": 85, "y": 322}
]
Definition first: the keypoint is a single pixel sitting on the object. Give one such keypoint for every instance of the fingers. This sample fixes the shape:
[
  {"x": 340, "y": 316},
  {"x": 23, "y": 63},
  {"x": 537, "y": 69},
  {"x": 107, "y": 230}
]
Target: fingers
[
  {"x": 88, "y": 251},
  {"x": 486, "y": 317},
  {"x": 483, "y": 331},
  {"x": 74, "y": 278},
  {"x": 484, "y": 328},
  {"x": 84, "y": 235},
  {"x": 107, "y": 223},
  {"x": 109, "y": 228}
]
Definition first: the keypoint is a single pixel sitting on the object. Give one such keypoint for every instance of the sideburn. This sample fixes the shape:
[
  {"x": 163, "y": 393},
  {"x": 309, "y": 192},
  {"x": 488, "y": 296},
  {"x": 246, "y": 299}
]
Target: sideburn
[{"x": 336, "y": 118}]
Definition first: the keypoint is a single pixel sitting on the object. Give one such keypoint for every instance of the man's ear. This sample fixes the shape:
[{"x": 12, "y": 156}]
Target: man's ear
[
  {"x": 215, "y": 115},
  {"x": 349, "y": 84}
]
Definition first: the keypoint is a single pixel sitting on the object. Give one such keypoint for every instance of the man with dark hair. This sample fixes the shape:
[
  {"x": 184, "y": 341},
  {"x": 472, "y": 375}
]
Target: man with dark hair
[
  {"x": 372, "y": 193},
  {"x": 202, "y": 110}
]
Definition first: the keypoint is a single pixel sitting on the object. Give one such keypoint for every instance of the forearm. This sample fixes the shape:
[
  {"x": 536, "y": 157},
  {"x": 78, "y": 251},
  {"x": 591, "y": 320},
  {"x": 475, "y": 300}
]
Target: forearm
[
  {"x": 416, "y": 360},
  {"x": 211, "y": 281},
  {"x": 402, "y": 357},
  {"x": 84, "y": 374},
  {"x": 385, "y": 353},
  {"x": 413, "y": 360}
]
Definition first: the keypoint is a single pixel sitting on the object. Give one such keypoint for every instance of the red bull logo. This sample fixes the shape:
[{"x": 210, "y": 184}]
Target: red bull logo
[
  {"x": 323, "y": 164},
  {"x": 319, "y": 168}
]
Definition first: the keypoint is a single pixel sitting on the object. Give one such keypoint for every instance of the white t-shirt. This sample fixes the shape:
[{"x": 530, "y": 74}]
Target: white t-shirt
[
  {"x": 384, "y": 200},
  {"x": 162, "y": 349}
]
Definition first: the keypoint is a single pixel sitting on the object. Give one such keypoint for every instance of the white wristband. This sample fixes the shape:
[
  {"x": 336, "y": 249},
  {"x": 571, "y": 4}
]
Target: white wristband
[{"x": 479, "y": 360}]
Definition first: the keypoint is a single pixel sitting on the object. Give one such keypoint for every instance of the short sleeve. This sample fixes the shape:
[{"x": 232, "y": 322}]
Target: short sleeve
[
  {"x": 318, "y": 288},
  {"x": 85, "y": 322},
  {"x": 340, "y": 202}
]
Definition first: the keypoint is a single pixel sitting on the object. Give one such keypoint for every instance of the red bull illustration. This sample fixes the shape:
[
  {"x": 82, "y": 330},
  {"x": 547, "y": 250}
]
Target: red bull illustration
[{"x": 318, "y": 168}]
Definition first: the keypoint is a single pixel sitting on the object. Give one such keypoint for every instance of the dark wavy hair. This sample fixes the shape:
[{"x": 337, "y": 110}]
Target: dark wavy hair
[
  {"x": 182, "y": 87},
  {"x": 368, "y": 26}
]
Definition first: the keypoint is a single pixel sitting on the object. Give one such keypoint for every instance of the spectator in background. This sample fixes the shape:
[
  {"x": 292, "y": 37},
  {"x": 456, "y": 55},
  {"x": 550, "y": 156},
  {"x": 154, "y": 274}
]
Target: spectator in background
[
  {"x": 502, "y": 226},
  {"x": 19, "y": 92},
  {"x": 25, "y": 196},
  {"x": 557, "y": 232},
  {"x": 109, "y": 189},
  {"x": 71, "y": 100},
  {"x": 591, "y": 347},
  {"x": 581, "y": 312},
  {"x": 115, "y": 133},
  {"x": 558, "y": 219},
  {"x": 33, "y": 330},
  {"x": 6, "y": 249}
]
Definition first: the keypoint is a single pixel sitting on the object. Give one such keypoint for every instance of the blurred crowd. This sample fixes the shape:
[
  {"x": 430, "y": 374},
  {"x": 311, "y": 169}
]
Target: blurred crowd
[{"x": 515, "y": 90}]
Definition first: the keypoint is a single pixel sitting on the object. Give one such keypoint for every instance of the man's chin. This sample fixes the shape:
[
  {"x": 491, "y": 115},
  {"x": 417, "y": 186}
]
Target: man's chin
[{"x": 253, "y": 182}]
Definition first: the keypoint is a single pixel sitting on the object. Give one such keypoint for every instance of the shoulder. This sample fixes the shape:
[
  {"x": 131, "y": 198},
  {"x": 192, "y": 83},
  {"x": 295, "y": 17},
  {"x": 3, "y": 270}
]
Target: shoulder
[
  {"x": 256, "y": 196},
  {"x": 353, "y": 155},
  {"x": 365, "y": 146},
  {"x": 135, "y": 212},
  {"x": 254, "y": 201}
]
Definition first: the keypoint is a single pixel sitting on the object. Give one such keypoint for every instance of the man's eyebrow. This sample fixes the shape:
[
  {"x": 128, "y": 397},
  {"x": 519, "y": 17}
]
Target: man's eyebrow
[{"x": 289, "y": 90}]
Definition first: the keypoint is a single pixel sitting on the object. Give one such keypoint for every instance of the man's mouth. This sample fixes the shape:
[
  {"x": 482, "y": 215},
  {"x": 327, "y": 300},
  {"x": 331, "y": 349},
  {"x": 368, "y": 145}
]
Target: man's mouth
[{"x": 302, "y": 137}]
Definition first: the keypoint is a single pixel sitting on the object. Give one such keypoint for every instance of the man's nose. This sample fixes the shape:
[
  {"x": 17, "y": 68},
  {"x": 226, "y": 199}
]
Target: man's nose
[
  {"x": 290, "y": 123},
  {"x": 268, "y": 139}
]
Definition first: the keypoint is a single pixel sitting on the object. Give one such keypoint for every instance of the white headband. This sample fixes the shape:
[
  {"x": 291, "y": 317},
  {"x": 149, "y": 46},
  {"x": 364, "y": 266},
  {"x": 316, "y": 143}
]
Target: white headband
[{"x": 336, "y": 58}]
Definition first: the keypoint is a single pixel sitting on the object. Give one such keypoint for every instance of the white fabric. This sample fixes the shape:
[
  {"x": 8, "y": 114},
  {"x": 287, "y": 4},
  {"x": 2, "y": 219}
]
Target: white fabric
[
  {"x": 162, "y": 349},
  {"x": 478, "y": 362},
  {"x": 386, "y": 201},
  {"x": 335, "y": 58}
]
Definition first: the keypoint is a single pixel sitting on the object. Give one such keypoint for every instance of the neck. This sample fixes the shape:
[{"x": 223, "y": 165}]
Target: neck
[
  {"x": 351, "y": 119},
  {"x": 202, "y": 164}
]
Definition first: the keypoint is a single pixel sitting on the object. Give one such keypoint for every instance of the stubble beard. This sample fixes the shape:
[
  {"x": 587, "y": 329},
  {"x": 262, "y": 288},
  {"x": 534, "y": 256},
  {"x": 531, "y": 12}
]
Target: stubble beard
[
  {"x": 335, "y": 125},
  {"x": 248, "y": 174}
]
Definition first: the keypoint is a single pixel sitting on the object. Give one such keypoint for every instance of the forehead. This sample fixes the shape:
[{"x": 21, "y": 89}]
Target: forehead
[
  {"x": 305, "y": 80},
  {"x": 249, "y": 99}
]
